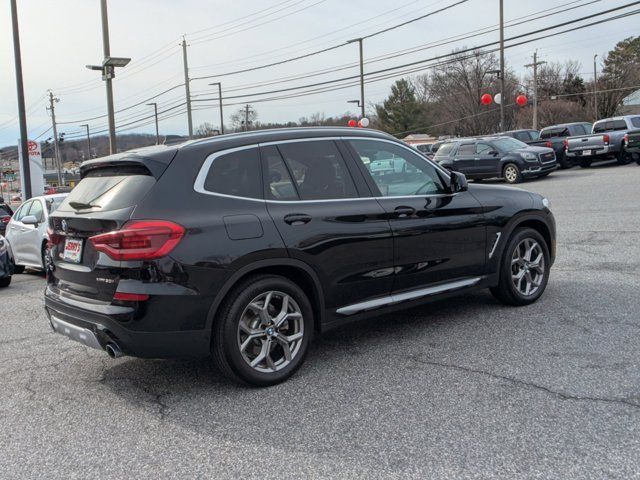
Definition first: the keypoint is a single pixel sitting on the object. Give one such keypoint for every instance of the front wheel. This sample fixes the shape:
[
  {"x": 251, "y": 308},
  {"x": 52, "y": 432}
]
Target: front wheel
[
  {"x": 511, "y": 173},
  {"x": 5, "y": 282},
  {"x": 524, "y": 269},
  {"x": 263, "y": 331}
]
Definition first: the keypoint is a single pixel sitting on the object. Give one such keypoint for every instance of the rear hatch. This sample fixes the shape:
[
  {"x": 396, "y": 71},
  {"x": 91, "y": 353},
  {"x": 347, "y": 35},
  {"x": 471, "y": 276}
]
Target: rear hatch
[{"x": 102, "y": 202}]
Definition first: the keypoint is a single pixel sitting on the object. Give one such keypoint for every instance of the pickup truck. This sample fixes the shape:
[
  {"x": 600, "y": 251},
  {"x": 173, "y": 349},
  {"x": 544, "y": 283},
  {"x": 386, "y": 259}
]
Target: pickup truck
[
  {"x": 553, "y": 137},
  {"x": 632, "y": 144},
  {"x": 606, "y": 141}
]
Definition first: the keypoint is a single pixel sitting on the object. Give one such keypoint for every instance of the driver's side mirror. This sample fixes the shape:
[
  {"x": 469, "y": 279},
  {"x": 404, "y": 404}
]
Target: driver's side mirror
[
  {"x": 30, "y": 220},
  {"x": 458, "y": 182}
]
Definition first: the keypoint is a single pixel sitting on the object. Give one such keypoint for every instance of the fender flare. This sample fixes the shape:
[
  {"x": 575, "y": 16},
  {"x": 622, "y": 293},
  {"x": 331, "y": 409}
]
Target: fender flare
[
  {"x": 252, "y": 267},
  {"x": 518, "y": 220}
]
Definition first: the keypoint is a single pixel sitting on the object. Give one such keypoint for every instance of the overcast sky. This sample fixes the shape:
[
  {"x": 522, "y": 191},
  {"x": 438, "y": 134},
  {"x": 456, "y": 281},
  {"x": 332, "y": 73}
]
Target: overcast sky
[{"x": 60, "y": 37}]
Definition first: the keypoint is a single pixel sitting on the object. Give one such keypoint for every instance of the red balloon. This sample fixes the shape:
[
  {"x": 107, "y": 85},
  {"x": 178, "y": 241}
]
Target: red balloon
[
  {"x": 359, "y": 123},
  {"x": 486, "y": 99},
  {"x": 521, "y": 100},
  {"x": 352, "y": 123}
]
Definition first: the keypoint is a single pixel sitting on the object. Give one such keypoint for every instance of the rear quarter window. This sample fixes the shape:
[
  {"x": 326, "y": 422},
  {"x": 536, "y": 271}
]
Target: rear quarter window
[
  {"x": 444, "y": 150},
  {"x": 236, "y": 173}
]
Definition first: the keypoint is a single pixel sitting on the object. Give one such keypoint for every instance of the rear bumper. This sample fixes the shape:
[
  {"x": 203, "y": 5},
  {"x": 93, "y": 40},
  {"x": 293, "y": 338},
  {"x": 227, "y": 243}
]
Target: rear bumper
[
  {"x": 597, "y": 152},
  {"x": 96, "y": 329}
]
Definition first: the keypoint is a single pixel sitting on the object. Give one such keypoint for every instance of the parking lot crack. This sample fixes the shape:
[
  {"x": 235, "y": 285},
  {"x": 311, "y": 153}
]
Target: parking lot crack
[{"x": 523, "y": 383}]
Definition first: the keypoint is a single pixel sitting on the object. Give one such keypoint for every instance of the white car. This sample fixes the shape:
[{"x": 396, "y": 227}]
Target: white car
[{"x": 27, "y": 231}]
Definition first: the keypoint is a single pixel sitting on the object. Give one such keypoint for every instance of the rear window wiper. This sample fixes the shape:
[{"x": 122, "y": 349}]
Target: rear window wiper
[{"x": 82, "y": 206}]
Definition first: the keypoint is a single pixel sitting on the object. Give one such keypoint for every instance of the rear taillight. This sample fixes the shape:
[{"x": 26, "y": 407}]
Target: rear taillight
[
  {"x": 5, "y": 219},
  {"x": 626, "y": 139},
  {"x": 548, "y": 144},
  {"x": 605, "y": 137},
  {"x": 54, "y": 238},
  {"x": 565, "y": 142},
  {"x": 139, "y": 240}
]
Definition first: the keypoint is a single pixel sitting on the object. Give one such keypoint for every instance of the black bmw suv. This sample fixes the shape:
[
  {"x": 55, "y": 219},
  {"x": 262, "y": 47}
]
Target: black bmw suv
[
  {"x": 496, "y": 157},
  {"x": 242, "y": 246}
]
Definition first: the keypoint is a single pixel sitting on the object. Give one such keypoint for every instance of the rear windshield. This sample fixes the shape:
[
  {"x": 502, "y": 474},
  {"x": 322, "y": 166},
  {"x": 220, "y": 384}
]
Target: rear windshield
[{"x": 107, "y": 189}]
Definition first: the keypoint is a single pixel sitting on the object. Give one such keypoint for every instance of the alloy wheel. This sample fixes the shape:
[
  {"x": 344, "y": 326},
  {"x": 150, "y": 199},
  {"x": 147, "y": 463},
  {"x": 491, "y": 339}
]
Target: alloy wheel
[
  {"x": 511, "y": 173},
  {"x": 270, "y": 331},
  {"x": 527, "y": 267}
]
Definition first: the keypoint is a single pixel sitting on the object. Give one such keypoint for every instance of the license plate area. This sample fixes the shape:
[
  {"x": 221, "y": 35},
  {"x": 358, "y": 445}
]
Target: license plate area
[{"x": 72, "y": 250}]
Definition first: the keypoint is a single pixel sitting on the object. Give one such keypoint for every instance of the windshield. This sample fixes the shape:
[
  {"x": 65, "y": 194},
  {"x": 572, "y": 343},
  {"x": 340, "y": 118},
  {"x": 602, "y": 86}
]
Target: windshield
[{"x": 508, "y": 144}]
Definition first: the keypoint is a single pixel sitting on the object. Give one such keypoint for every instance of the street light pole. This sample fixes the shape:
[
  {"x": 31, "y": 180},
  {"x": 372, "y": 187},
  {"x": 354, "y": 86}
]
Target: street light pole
[
  {"x": 220, "y": 105},
  {"x": 107, "y": 68},
  {"x": 155, "y": 113},
  {"x": 86, "y": 125},
  {"x": 359, "y": 40},
  {"x": 502, "y": 99},
  {"x": 22, "y": 116},
  {"x": 595, "y": 89}
]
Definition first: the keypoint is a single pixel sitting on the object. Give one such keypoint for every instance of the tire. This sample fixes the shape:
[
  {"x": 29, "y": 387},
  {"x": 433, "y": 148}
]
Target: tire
[
  {"x": 585, "y": 162},
  {"x": 623, "y": 157},
  {"x": 563, "y": 162},
  {"x": 18, "y": 269},
  {"x": 513, "y": 291},
  {"x": 511, "y": 173},
  {"x": 5, "y": 282},
  {"x": 229, "y": 337}
]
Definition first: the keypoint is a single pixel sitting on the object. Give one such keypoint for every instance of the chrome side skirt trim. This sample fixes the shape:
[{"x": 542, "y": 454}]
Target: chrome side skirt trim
[
  {"x": 406, "y": 296},
  {"x": 495, "y": 244}
]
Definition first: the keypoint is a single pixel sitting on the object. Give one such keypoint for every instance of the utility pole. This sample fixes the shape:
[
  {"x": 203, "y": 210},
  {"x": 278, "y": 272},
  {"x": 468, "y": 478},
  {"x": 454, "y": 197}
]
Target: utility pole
[
  {"x": 56, "y": 148},
  {"x": 22, "y": 116},
  {"x": 108, "y": 73},
  {"x": 595, "y": 89},
  {"x": 86, "y": 125},
  {"x": 502, "y": 99},
  {"x": 359, "y": 40},
  {"x": 186, "y": 85},
  {"x": 220, "y": 103},
  {"x": 535, "y": 87},
  {"x": 155, "y": 112},
  {"x": 246, "y": 117}
]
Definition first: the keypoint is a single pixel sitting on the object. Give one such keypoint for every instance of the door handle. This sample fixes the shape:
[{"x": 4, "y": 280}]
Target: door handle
[
  {"x": 404, "y": 212},
  {"x": 297, "y": 218}
]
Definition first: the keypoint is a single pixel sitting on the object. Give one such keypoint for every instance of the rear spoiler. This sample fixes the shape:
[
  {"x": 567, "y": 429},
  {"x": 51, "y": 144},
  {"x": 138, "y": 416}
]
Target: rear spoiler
[{"x": 154, "y": 159}]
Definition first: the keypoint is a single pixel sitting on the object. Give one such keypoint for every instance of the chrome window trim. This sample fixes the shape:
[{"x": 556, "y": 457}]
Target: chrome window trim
[{"x": 198, "y": 185}]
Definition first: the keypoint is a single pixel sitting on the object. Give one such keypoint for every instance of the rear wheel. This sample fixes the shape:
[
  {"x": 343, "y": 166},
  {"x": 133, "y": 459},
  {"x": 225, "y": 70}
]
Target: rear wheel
[
  {"x": 511, "y": 173},
  {"x": 623, "y": 157},
  {"x": 585, "y": 162},
  {"x": 5, "y": 282},
  {"x": 563, "y": 161},
  {"x": 524, "y": 269},
  {"x": 263, "y": 330}
]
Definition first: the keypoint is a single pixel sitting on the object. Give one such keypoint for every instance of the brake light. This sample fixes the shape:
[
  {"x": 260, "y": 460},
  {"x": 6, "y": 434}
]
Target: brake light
[
  {"x": 565, "y": 142},
  {"x": 5, "y": 219},
  {"x": 54, "y": 238},
  {"x": 626, "y": 139},
  {"x": 140, "y": 240},
  {"x": 130, "y": 297},
  {"x": 605, "y": 137},
  {"x": 548, "y": 144}
]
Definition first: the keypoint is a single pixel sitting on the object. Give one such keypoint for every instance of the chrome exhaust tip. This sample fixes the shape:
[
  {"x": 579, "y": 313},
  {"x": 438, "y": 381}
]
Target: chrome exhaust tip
[{"x": 113, "y": 350}]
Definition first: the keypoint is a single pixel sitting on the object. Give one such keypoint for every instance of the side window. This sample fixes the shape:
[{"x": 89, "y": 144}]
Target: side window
[
  {"x": 22, "y": 211},
  {"x": 635, "y": 121},
  {"x": 534, "y": 135},
  {"x": 37, "y": 211},
  {"x": 544, "y": 134},
  {"x": 396, "y": 170},
  {"x": 466, "y": 149},
  {"x": 236, "y": 173},
  {"x": 444, "y": 150},
  {"x": 318, "y": 170},
  {"x": 522, "y": 136},
  {"x": 483, "y": 148},
  {"x": 619, "y": 125},
  {"x": 279, "y": 185}
]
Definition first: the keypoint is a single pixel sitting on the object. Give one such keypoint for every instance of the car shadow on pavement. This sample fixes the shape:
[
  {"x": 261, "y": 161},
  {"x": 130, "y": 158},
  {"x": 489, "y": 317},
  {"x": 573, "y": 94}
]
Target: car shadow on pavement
[{"x": 180, "y": 390}]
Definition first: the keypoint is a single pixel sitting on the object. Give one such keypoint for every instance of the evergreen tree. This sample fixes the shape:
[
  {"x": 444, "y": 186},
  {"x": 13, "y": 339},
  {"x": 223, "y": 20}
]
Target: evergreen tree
[{"x": 400, "y": 112}]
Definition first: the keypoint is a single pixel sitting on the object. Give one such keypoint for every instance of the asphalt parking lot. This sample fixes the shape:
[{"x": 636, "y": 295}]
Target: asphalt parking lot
[{"x": 464, "y": 388}]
